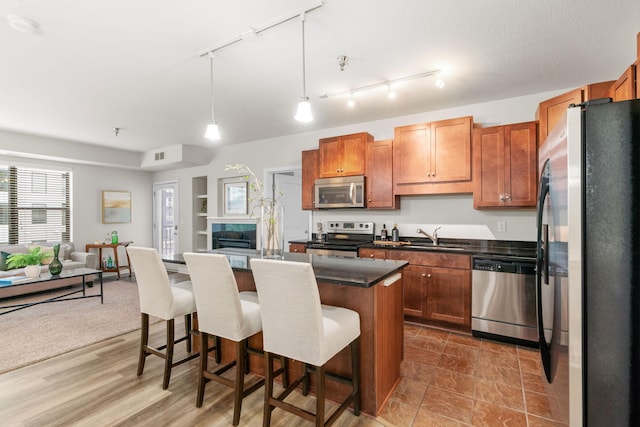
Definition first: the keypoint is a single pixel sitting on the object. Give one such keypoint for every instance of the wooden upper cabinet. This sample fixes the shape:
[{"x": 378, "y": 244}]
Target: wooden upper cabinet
[
  {"x": 343, "y": 155},
  {"x": 624, "y": 88},
  {"x": 412, "y": 154},
  {"x": 309, "y": 175},
  {"x": 505, "y": 162},
  {"x": 379, "y": 175},
  {"x": 550, "y": 111},
  {"x": 433, "y": 158}
]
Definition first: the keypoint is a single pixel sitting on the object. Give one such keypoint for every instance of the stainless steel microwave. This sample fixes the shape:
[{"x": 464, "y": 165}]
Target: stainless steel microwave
[{"x": 341, "y": 192}]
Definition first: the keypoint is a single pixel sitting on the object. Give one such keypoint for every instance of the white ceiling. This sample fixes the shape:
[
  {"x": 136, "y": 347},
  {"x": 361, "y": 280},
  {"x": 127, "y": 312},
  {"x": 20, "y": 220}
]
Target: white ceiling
[{"x": 136, "y": 64}]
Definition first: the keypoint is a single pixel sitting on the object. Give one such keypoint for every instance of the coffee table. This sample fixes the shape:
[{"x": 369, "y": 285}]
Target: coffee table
[{"x": 46, "y": 277}]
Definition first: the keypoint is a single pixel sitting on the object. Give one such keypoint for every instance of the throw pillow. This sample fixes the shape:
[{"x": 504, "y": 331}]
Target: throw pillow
[
  {"x": 65, "y": 252},
  {"x": 3, "y": 260}
]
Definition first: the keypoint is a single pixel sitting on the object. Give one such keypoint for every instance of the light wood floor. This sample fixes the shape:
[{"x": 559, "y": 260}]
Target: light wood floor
[{"x": 98, "y": 386}]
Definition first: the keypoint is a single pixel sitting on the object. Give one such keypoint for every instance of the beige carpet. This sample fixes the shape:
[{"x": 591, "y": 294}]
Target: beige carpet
[{"x": 42, "y": 331}]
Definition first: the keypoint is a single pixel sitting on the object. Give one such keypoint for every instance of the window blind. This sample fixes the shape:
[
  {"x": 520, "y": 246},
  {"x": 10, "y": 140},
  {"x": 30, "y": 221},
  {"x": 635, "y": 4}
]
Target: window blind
[{"x": 34, "y": 205}]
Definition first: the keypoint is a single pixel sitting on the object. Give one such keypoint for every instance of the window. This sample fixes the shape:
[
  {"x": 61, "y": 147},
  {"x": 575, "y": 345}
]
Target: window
[{"x": 34, "y": 205}]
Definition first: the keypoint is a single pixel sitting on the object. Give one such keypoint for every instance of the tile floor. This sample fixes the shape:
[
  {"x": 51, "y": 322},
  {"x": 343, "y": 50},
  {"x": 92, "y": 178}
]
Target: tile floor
[{"x": 450, "y": 379}]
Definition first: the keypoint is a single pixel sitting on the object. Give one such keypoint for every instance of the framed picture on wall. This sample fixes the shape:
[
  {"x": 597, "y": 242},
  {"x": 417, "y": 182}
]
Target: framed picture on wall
[
  {"x": 235, "y": 198},
  {"x": 116, "y": 207}
]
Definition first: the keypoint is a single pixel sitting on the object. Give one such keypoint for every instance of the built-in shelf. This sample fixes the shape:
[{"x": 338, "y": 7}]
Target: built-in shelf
[{"x": 200, "y": 206}]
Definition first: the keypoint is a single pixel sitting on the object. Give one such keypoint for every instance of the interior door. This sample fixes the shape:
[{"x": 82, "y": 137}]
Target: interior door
[
  {"x": 296, "y": 221},
  {"x": 166, "y": 218}
]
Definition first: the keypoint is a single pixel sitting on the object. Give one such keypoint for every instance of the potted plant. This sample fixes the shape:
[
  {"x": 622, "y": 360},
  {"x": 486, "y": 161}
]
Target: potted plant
[{"x": 30, "y": 261}]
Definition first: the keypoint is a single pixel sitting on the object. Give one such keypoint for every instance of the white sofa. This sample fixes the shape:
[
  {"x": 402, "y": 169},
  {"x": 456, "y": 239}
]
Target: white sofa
[{"x": 69, "y": 257}]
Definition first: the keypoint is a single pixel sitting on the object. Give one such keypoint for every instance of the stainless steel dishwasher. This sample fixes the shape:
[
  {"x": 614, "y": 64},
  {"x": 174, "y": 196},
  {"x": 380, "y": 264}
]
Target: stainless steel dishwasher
[{"x": 503, "y": 299}]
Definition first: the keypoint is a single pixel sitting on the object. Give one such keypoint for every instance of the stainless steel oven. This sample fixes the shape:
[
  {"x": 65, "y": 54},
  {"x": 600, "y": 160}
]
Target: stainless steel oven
[{"x": 343, "y": 238}]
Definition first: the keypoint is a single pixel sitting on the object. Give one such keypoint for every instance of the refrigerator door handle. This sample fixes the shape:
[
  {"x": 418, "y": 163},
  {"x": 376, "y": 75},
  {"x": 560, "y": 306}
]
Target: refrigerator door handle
[{"x": 542, "y": 268}]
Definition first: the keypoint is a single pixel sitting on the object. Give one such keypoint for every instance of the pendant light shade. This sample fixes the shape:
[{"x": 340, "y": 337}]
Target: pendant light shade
[
  {"x": 213, "y": 132},
  {"x": 303, "y": 113}
]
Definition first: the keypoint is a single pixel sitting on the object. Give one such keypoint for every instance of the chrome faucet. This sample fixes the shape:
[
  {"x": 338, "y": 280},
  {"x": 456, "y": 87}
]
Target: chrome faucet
[{"x": 433, "y": 238}]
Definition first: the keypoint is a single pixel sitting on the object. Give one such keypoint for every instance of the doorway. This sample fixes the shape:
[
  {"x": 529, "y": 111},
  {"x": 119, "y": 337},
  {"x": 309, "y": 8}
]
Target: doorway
[
  {"x": 288, "y": 183},
  {"x": 166, "y": 217}
]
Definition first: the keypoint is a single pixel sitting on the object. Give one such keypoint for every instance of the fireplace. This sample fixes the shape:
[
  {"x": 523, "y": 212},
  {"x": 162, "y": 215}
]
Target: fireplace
[{"x": 232, "y": 233}]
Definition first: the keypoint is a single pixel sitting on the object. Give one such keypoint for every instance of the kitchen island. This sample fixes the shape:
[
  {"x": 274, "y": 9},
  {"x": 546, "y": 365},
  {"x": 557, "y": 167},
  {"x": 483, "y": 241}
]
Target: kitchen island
[{"x": 371, "y": 287}]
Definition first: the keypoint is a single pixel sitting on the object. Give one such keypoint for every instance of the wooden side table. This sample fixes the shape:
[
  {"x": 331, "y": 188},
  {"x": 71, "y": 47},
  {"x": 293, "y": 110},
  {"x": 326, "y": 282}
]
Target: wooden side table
[{"x": 114, "y": 247}]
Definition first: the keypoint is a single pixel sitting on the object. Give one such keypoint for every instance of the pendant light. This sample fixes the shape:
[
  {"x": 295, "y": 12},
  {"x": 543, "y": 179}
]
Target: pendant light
[
  {"x": 304, "y": 107},
  {"x": 213, "y": 132}
]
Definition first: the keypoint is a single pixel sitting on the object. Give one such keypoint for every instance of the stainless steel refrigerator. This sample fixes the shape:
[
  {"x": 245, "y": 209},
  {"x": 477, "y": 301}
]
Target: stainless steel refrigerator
[{"x": 588, "y": 263}]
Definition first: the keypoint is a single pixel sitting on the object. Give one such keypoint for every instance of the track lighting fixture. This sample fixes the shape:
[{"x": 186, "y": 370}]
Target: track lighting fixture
[{"x": 387, "y": 83}]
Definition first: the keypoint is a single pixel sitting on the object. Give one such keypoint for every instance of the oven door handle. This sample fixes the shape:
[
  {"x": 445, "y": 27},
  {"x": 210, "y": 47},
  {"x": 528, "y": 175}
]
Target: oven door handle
[{"x": 352, "y": 190}]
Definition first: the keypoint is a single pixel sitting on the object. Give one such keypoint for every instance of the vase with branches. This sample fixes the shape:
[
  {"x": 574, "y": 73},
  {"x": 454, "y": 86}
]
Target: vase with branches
[{"x": 271, "y": 213}]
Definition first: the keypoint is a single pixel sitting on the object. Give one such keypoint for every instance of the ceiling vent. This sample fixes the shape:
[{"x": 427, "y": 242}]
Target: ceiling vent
[{"x": 175, "y": 157}]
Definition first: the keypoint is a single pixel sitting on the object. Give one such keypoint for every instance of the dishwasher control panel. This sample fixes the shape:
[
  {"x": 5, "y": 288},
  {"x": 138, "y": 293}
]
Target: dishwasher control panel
[{"x": 504, "y": 266}]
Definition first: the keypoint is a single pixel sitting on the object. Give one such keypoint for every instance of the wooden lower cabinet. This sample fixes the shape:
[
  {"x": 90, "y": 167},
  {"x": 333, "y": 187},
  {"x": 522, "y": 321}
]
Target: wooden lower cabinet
[
  {"x": 448, "y": 296},
  {"x": 437, "y": 285},
  {"x": 297, "y": 247},
  {"x": 415, "y": 290}
]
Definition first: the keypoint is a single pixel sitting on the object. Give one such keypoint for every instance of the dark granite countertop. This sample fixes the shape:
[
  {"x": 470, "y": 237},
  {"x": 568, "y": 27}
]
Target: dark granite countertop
[
  {"x": 486, "y": 248},
  {"x": 361, "y": 272}
]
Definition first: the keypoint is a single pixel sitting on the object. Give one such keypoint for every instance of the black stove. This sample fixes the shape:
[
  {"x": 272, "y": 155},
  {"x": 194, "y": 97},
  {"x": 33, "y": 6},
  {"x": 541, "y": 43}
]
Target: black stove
[{"x": 343, "y": 238}]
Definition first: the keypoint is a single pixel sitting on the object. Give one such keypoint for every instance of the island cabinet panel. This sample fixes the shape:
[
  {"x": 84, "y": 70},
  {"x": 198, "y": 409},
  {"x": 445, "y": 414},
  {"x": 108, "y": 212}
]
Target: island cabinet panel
[
  {"x": 381, "y": 334},
  {"x": 505, "y": 166},
  {"x": 437, "y": 287},
  {"x": 343, "y": 155},
  {"x": 379, "y": 175},
  {"x": 309, "y": 175},
  {"x": 433, "y": 158}
]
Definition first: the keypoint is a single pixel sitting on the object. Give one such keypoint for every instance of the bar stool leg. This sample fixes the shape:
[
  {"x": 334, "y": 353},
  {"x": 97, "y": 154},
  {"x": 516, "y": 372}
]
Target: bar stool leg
[
  {"x": 204, "y": 359},
  {"x": 241, "y": 358},
  {"x": 320, "y": 396},
  {"x": 268, "y": 389},
  {"x": 144, "y": 341},
  {"x": 355, "y": 374},
  {"x": 187, "y": 331},
  {"x": 168, "y": 362}
]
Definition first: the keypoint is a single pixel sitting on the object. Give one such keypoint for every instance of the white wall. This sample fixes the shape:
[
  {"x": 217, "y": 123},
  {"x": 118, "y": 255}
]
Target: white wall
[
  {"x": 274, "y": 153},
  {"x": 448, "y": 209},
  {"x": 87, "y": 185}
]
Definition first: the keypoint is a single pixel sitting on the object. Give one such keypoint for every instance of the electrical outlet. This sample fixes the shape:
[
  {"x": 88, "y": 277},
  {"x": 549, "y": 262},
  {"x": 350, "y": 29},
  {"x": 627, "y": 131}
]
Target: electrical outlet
[{"x": 502, "y": 226}]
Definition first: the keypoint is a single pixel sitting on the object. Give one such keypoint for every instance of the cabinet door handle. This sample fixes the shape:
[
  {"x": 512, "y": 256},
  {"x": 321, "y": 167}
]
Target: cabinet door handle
[
  {"x": 502, "y": 197},
  {"x": 295, "y": 250},
  {"x": 370, "y": 255},
  {"x": 424, "y": 275},
  {"x": 507, "y": 196},
  {"x": 428, "y": 275}
]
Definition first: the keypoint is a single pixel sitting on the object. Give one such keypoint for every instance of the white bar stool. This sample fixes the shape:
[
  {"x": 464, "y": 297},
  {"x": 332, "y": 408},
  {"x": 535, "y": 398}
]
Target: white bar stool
[
  {"x": 158, "y": 298},
  {"x": 226, "y": 313},
  {"x": 297, "y": 326}
]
